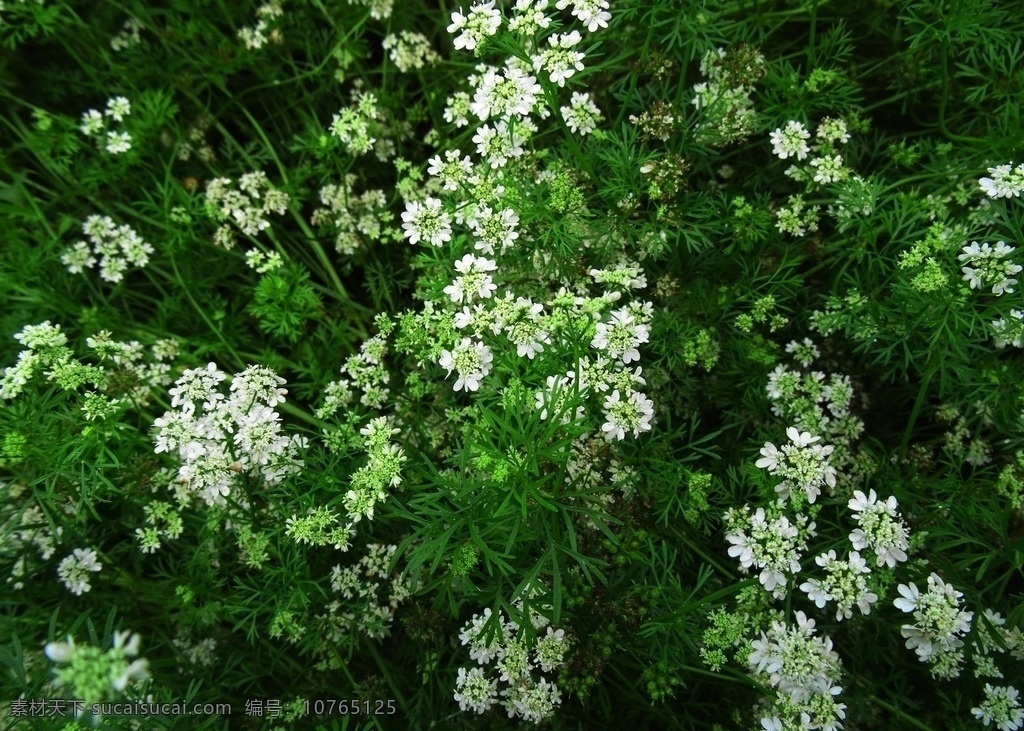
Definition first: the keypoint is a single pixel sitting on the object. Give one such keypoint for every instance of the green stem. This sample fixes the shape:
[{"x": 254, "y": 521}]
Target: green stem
[
  {"x": 944, "y": 67},
  {"x": 812, "y": 38},
  {"x": 918, "y": 403},
  {"x": 902, "y": 714}
]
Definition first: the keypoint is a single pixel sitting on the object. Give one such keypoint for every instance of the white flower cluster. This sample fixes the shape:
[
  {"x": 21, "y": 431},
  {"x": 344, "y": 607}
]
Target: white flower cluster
[
  {"x": 162, "y": 521},
  {"x": 195, "y": 141},
  {"x": 726, "y": 111},
  {"x": 25, "y": 528},
  {"x": 620, "y": 337},
  {"x": 92, "y": 675},
  {"x": 880, "y": 528},
  {"x": 95, "y": 124},
  {"x": 114, "y": 247},
  {"x": 139, "y": 371},
  {"x": 508, "y": 662},
  {"x": 372, "y": 593},
  {"x": 771, "y": 544},
  {"x": 364, "y": 371},
  {"x": 481, "y": 21},
  {"x": 471, "y": 360},
  {"x": 1009, "y": 331},
  {"x": 244, "y": 205},
  {"x": 1006, "y": 181},
  {"x": 796, "y": 218},
  {"x": 593, "y": 14},
  {"x": 219, "y": 438},
  {"x": 939, "y": 624},
  {"x": 426, "y": 221},
  {"x": 268, "y": 16},
  {"x": 44, "y": 344},
  {"x": 581, "y": 115},
  {"x": 1001, "y": 707},
  {"x": 512, "y": 92},
  {"x": 263, "y": 261},
  {"x": 824, "y": 166},
  {"x": 803, "y": 465},
  {"x": 791, "y": 141},
  {"x": 845, "y": 583},
  {"x": 804, "y": 670},
  {"x": 128, "y": 37},
  {"x": 507, "y": 98},
  {"x": 383, "y": 469},
  {"x": 360, "y": 124},
  {"x": 819, "y": 403},
  {"x": 74, "y": 570},
  {"x": 379, "y": 9},
  {"x": 473, "y": 282},
  {"x": 410, "y": 51},
  {"x": 355, "y": 218},
  {"x": 560, "y": 60},
  {"x": 985, "y": 265}
]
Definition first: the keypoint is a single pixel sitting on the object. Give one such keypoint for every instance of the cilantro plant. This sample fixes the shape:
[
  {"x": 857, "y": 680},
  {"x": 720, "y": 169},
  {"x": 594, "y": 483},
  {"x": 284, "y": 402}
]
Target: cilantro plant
[{"x": 512, "y": 363}]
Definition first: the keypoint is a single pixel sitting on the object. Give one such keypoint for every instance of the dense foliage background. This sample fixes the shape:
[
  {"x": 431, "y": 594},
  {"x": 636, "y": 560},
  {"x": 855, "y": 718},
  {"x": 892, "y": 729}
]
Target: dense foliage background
[{"x": 602, "y": 325}]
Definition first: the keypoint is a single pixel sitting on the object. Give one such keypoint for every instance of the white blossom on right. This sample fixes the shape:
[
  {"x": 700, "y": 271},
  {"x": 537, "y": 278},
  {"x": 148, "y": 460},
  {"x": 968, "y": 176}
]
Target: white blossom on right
[
  {"x": 985, "y": 266},
  {"x": 939, "y": 623},
  {"x": 880, "y": 528},
  {"x": 803, "y": 465}
]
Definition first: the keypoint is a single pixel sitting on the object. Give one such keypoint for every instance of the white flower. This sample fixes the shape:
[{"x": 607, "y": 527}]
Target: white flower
[
  {"x": 511, "y": 93},
  {"x": 475, "y": 282},
  {"x": 475, "y": 691},
  {"x": 985, "y": 266},
  {"x": 582, "y": 115},
  {"x": 92, "y": 123},
  {"x": 560, "y": 61},
  {"x": 74, "y": 570},
  {"x": 845, "y": 583},
  {"x": 621, "y": 336},
  {"x": 493, "y": 229},
  {"x": 529, "y": 17},
  {"x": 833, "y": 130},
  {"x": 1005, "y": 181},
  {"x": 499, "y": 143},
  {"x": 805, "y": 352},
  {"x": 1001, "y": 707},
  {"x": 551, "y": 649},
  {"x": 480, "y": 22},
  {"x": 794, "y": 660},
  {"x": 634, "y": 414},
  {"x": 829, "y": 169},
  {"x": 791, "y": 141},
  {"x": 1009, "y": 332},
  {"x": 471, "y": 360},
  {"x": 772, "y": 546},
  {"x": 483, "y": 647},
  {"x": 880, "y": 528},
  {"x": 452, "y": 171},
  {"x": 426, "y": 222},
  {"x": 197, "y": 384},
  {"x": 118, "y": 142},
  {"x": 939, "y": 621},
  {"x": 592, "y": 13},
  {"x": 456, "y": 110},
  {"x": 803, "y": 465},
  {"x": 118, "y": 108}
]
